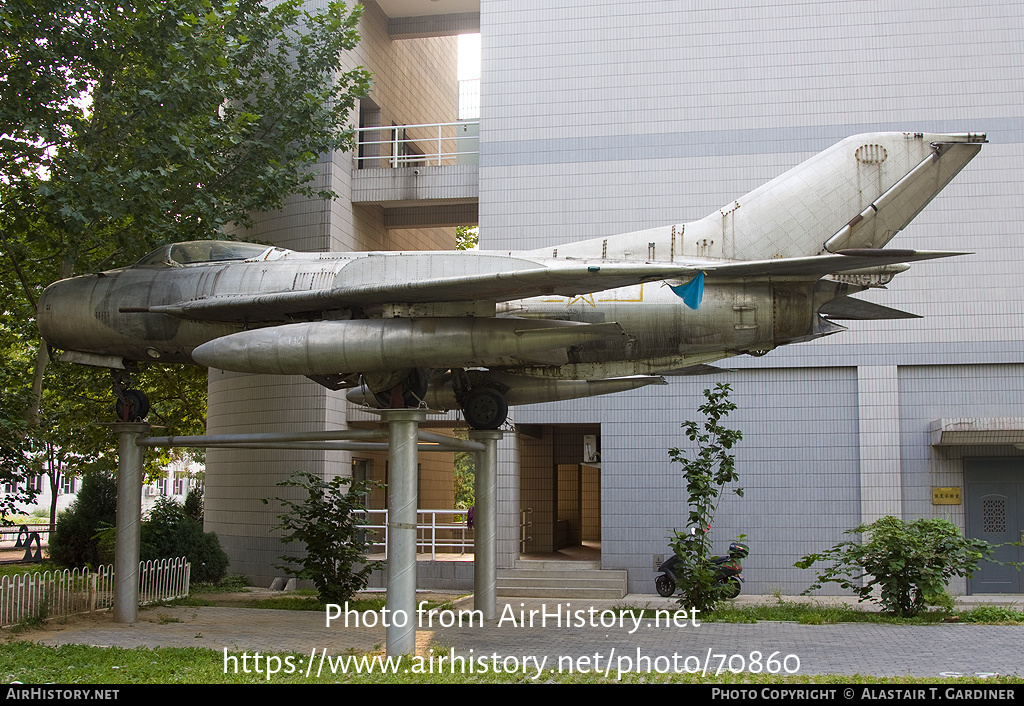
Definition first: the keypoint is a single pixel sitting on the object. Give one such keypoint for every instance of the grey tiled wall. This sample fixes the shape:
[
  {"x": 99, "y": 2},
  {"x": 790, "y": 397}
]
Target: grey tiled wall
[{"x": 612, "y": 116}]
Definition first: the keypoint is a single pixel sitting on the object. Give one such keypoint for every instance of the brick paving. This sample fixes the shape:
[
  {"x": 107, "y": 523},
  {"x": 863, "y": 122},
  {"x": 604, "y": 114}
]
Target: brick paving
[{"x": 878, "y": 650}]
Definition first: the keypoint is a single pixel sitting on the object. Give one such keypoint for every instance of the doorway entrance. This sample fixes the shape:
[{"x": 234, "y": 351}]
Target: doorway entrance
[
  {"x": 560, "y": 490},
  {"x": 995, "y": 513}
]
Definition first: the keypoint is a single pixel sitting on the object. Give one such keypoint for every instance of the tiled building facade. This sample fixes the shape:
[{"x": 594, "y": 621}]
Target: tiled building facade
[{"x": 606, "y": 117}]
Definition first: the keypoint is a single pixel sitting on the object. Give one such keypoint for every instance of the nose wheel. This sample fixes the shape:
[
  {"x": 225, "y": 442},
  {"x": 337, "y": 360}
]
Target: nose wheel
[{"x": 131, "y": 405}]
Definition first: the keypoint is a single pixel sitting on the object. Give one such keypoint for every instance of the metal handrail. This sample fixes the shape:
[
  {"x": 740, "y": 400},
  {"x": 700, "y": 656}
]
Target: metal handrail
[
  {"x": 427, "y": 530},
  {"x": 524, "y": 526},
  {"x": 440, "y": 146}
]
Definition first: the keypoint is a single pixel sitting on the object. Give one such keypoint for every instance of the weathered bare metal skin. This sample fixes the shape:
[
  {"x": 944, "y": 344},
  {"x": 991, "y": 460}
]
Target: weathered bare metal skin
[
  {"x": 777, "y": 267},
  {"x": 326, "y": 347}
]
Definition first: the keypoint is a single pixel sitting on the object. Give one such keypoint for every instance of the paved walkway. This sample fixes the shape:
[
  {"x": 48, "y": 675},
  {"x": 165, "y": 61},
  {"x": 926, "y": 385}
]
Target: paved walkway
[{"x": 879, "y": 650}]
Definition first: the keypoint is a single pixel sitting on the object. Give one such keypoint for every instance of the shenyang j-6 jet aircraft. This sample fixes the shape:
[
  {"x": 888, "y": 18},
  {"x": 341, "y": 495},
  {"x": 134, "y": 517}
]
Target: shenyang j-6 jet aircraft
[{"x": 484, "y": 330}]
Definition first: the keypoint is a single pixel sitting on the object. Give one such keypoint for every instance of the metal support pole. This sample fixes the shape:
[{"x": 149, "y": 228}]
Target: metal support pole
[
  {"x": 403, "y": 425},
  {"x": 485, "y": 517},
  {"x": 129, "y": 520}
]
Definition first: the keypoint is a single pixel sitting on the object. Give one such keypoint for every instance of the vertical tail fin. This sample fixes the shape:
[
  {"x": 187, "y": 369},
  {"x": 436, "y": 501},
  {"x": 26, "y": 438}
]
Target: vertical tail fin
[{"x": 857, "y": 194}]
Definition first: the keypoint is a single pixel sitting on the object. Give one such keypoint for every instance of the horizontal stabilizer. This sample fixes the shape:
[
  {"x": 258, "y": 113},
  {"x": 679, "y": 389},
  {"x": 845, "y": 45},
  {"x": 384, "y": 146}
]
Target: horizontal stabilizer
[
  {"x": 702, "y": 369},
  {"x": 848, "y": 308},
  {"x": 821, "y": 265}
]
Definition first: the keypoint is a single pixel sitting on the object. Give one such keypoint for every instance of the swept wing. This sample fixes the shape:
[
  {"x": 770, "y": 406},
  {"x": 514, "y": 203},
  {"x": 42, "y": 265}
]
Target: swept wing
[{"x": 421, "y": 278}]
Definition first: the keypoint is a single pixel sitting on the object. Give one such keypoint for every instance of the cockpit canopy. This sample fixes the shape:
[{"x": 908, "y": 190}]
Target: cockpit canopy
[{"x": 198, "y": 252}]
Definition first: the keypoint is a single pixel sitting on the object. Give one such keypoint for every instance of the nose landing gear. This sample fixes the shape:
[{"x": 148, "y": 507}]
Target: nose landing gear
[{"x": 131, "y": 405}]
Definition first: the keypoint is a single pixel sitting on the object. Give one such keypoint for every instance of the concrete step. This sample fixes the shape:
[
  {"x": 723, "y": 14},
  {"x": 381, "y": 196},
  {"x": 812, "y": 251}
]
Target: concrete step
[
  {"x": 556, "y": 565},
  {"x": 561, "y": 582}
]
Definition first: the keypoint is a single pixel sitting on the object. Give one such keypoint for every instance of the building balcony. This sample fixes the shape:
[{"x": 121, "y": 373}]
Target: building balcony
[{"x": 423, "y": 176}]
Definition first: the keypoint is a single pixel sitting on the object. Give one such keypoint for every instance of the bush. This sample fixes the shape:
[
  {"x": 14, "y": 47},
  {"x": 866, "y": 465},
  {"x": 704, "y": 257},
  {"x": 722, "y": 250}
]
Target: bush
[
  {"x": 194, "y": 503},
  {"x": 707, "y": 472},
  {"x": 328, "y": 524},
  {"x": 170, "y": 532},
  {"x": 910, "y": 563},
  {"x": 74, "y": 542}
]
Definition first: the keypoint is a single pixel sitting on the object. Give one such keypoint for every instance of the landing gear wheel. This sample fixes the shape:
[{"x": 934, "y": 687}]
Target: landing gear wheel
[
  {"x": 665, "y": 585},
  {"x": 132, "y": 406},
  {"x": 731, "y": 588},
  {"x": 485, "y": 408},
  {"x": 414, "y": 390}
]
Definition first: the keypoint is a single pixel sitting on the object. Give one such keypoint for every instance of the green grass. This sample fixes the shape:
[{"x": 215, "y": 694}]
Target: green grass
[
  {"x": 80, "y": 664},
  {"x": 297, "y": 600},
  {"x": 811, "y": 614},
  {"x": 16, "y": 569},
  {"x": 236, "y": 583},
  {"x": 991, "y": 614}
]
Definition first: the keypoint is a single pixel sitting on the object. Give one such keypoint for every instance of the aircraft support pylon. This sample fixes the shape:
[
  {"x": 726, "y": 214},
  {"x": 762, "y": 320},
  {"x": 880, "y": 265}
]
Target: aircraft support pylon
[
  {"x": 128, "y": 535},
  {"x": 485, "y": 520}
]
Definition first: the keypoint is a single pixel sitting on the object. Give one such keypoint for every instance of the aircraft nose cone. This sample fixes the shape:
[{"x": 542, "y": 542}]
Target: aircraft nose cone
[{"x": 64, "y": 313}]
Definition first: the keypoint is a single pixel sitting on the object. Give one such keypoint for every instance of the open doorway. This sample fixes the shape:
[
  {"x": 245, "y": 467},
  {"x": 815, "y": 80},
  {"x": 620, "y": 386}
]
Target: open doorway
[{"x": 560, "y": 490}]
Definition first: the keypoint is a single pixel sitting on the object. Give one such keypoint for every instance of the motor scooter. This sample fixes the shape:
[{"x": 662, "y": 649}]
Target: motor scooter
[{"x": 728, "y": 571}]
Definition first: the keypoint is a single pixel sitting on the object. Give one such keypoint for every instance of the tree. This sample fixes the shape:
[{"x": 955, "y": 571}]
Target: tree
[
  {"x": 466, "y": 237},
  {"x": 328, "y": 524},
  {"x": 148, "y": 122},
  {"x": 707, "y": 471},
  {"x": 74, "y": 543},
  {"x": 15, "y": 366},
  {"x": 909, "y": 563},
  {"x": 465, "y": 480}
]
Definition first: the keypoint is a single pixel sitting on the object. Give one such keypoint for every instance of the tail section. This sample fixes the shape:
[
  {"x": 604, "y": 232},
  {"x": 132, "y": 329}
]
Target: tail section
[{"x": 857, "y": 194}]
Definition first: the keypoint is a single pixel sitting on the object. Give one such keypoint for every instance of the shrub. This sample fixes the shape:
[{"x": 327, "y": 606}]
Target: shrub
[
  {"x": 194, "y": 503},
  {"x": 74, "y": 542},
  {"x": 909, "y": 563},
  {"x": 170, "y": 532},
  {"x": 327, "y": 522},
  {"x": 707, "y": 472}
]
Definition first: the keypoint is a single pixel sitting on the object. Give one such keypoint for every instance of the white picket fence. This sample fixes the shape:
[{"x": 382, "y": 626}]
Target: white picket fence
[{"x": 51, "y": 594}]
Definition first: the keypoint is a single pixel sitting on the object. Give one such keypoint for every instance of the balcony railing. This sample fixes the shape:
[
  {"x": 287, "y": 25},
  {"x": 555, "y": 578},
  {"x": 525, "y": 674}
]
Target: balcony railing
[{"x": 427, "y": 145}]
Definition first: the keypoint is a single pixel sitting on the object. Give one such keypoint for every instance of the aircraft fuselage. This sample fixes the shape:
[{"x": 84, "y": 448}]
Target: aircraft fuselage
[{"x": 108, "y": 314}]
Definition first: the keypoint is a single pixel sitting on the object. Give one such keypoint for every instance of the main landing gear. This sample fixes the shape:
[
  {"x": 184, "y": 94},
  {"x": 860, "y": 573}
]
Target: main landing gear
[
  {"x": 131, "y": 405},
  {"x": 482, "y": 401},
  {"x": 484, "y": 407},
  {"x": 407, "y": 393}
]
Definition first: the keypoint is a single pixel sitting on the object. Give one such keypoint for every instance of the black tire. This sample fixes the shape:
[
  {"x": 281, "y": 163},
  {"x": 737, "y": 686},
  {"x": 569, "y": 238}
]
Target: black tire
[
  {"x": 134, "y": 408},
  {"x": 485, "y": 408},
  {"x": 665, "y": 585},
  {"x": 732, "y": 588}
]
